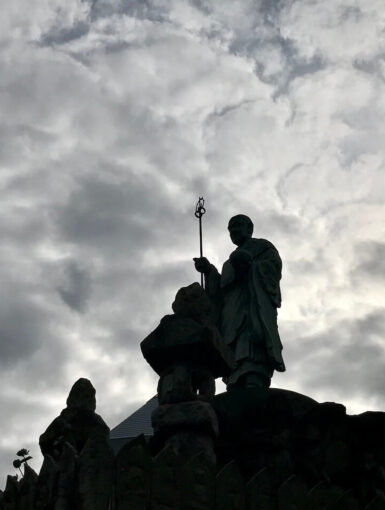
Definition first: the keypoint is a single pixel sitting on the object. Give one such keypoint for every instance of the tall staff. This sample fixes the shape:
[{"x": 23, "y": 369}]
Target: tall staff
[{"x": 199, "y": 212}]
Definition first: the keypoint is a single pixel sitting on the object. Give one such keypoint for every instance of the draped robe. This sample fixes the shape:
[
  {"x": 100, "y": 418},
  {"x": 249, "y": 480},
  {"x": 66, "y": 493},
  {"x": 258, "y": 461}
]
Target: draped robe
[{"x": 247, "y": 310}]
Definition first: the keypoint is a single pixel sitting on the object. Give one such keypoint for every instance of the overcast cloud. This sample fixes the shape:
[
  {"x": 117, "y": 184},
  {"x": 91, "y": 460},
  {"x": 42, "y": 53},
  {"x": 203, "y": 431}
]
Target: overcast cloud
[{"x": 115, "y": 117}]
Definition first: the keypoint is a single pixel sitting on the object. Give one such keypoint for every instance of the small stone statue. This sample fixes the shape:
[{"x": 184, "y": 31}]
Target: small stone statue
[
  {"x": 186, "y": 350},
  {"x": 76, "y": 423},
  {"x": 246, "y": 296},
  {"x": 193, "y": 303},
  {"x": 78, "y": 460}
]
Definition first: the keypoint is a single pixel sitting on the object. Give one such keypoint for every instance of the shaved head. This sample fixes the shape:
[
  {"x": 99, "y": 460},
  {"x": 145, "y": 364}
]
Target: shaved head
[
  {"x": 240, "y": 228},
  {"x": 243, "y": 218}
]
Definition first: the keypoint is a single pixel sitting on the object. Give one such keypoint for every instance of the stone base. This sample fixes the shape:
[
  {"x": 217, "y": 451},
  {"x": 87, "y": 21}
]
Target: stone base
[
  {"x": 196, "y": 415},
  {"x": 189, "y": 443},
  {"x": 188, "y": 428}
]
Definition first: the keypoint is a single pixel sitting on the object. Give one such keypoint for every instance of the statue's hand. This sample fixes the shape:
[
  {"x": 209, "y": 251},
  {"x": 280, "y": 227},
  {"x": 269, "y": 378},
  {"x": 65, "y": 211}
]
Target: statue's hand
[
  {"x": 202, "y": 265},
  {"x": 240, "y": 258}
]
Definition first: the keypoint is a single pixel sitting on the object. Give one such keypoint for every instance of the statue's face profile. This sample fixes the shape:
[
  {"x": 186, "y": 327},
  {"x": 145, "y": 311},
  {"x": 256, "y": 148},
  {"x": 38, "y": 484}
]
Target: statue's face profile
[{"x": 240, "y": 229}]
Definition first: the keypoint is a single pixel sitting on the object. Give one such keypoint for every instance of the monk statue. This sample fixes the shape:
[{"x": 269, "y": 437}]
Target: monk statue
[{"x": 246, "y": 297}]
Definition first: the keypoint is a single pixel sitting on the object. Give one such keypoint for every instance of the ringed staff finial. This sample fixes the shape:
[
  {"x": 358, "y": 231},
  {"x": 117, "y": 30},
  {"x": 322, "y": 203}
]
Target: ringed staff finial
[{"x": 199, "y": 212}]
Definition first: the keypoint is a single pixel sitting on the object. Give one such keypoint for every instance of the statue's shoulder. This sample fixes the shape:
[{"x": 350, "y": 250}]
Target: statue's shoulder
[{"x": 258, "y": 246}]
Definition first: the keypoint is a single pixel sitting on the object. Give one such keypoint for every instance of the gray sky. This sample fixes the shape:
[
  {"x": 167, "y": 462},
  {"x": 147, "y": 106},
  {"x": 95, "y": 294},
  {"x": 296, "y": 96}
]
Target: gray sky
[{"x": 115, "y": 117}]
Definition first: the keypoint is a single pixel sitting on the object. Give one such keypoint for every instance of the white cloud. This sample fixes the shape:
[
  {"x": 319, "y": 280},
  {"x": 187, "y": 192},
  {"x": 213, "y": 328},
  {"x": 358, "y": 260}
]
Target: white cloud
[{"x": 344, "y": 31}]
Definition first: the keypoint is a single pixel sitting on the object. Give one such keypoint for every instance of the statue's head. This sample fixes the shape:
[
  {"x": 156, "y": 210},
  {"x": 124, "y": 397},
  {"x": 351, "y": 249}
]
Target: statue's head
[
  {"x": 82, "y": 395},
  {"x": 240, "y": 228},
  {"x": 192, "y": 302}
]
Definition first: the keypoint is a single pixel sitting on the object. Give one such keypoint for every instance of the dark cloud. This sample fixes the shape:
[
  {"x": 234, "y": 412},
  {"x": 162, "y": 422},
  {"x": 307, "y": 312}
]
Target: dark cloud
[
  {"x": 120, "y": 217},
  {"x": 203, "y": 5},
  {"x": 99, "y": 212},
  {"x": 58, "y": 35},
  {"x": 23, "y": 323},
  {"x": 75, "y": 287},
  {"x": 143, "y": 9},
  {"x": 370, "y": 260},
  {"x": 261, "y": 39},
  {"x": 294, "y": 64},
  {"x": 127, "y": 319},
  {"x": 370, "y": 66},
  {"x": 344, "y": 361},
  {"x": 351, "y": 12}
]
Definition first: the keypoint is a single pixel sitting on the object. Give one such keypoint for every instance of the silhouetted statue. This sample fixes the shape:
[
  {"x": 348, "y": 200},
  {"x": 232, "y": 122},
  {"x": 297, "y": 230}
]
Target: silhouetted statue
[
  {"x": 247, "y": 295},
  {"x": 186, "y": 349},
  {"x": 76, "y": 423}
]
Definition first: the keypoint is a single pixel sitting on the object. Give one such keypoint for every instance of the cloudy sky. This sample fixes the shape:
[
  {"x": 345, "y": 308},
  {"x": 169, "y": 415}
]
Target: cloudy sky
[{"x": 115, "y": 116}]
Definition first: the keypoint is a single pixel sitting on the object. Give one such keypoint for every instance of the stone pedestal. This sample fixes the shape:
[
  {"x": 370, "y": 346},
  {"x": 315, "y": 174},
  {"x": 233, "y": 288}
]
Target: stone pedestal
[{"x": 188, "y": 427}]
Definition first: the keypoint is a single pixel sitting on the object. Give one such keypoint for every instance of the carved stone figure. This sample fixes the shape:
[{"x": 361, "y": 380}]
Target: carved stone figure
[
  {"x": 230, "y": 488},
  {"x": 46, "y": 484},
  {"x": 66, "y": 492},
  {"x": 197, "y": 483},
  {"x": 76, "y": 423},
  {"x": 95, "y": 473},
  {"x": 165, "y": 491},
  {"x": 134, "y": 466},
  {"x": 186, "y": 349},
  {"x": 246, "y": 296},
  {"x": 78, "y": 461}
]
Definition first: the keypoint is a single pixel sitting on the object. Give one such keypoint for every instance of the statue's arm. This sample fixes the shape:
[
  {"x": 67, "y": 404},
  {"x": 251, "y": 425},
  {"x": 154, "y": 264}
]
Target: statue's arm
[
  {"x": 213, "y": 290},
  {"x": 213, "y": 282},
  {"x": 269, "y": 268},
  {"x": 211, "y": 275}
]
